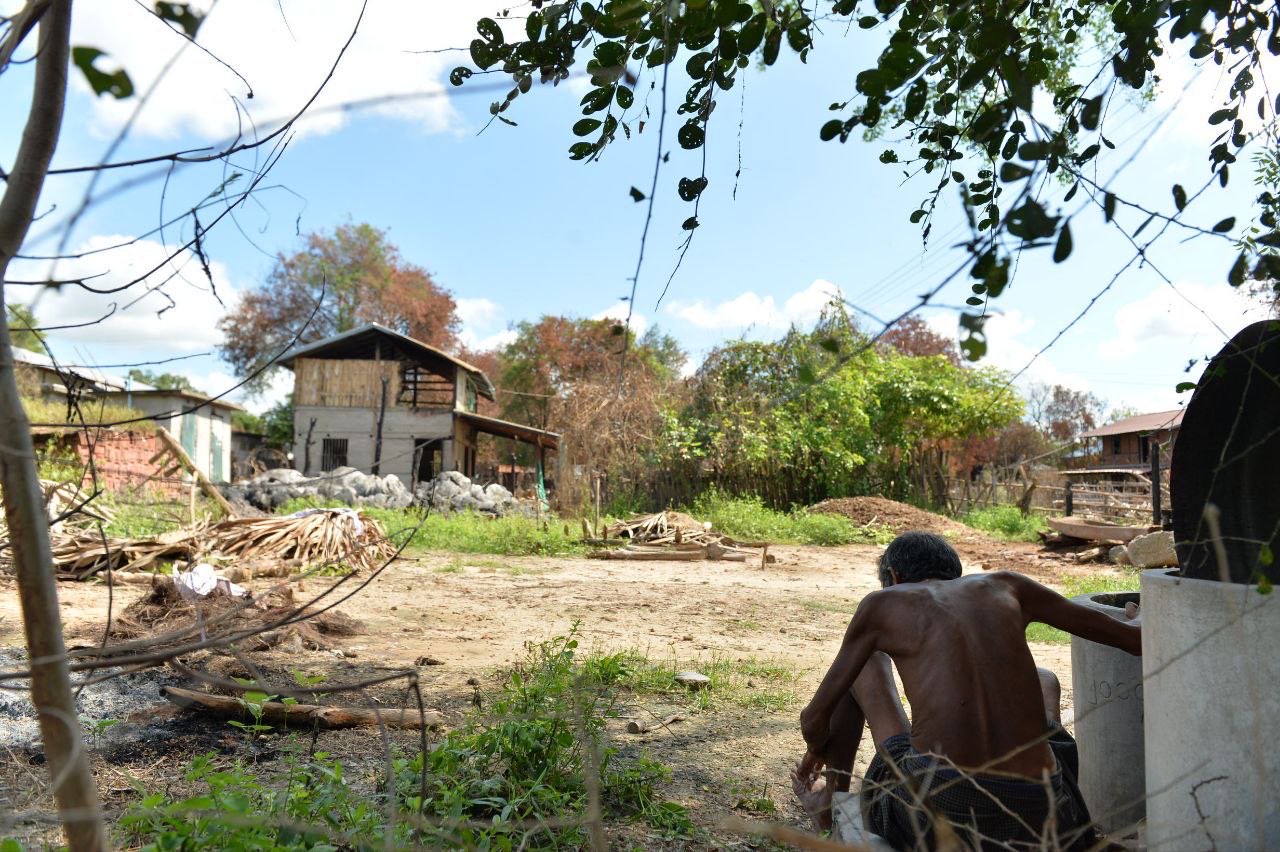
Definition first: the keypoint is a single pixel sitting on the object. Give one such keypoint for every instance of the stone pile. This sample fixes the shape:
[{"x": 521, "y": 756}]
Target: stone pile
[
  {"x": 453, "y": 492},
  {"x": 274, "y": 488},
  {"x": 448, "y": 492}
]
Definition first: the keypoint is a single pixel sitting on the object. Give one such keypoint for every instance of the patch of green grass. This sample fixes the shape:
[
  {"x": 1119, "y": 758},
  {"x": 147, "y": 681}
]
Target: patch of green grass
[
  {"x": 465, "y": 532},
  {"x": 1090, "y": 585},
  {"x": 1006, "y": 522},
  {"x": 511, "y": 777},
  {"x": 749, "y": 683},
  {"x": 94, "y": 412},
  {"x": 826, "y": 605},
  {"x": 748, "y": 519},
  {"x": 141, "y": 518}
]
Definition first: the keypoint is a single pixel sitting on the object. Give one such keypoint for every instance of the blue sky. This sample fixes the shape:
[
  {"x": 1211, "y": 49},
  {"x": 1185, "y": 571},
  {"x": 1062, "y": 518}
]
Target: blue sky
[{"x": 516, "y": 230}]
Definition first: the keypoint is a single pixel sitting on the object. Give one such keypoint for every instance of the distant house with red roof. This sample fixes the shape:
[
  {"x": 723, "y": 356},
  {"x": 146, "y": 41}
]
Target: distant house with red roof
[{"x": 1127, "y": 443}]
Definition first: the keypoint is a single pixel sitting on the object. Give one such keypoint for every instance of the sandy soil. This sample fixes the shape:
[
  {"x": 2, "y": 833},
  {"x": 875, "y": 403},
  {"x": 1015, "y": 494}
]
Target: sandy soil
[{"x": 473, "y": 614}]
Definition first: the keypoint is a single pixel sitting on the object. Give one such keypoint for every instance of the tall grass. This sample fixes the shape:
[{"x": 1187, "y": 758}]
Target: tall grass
[
  {"x": 747, "y": 518},
  {"x": 465, "y": 532},
  {"x": 1006, "y": 522},
  {"x": 1091, "y": 585}
]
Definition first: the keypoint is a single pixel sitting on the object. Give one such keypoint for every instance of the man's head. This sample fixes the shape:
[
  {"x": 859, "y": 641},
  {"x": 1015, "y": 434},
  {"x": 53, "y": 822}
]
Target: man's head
[{"x": 916, "y": 556}]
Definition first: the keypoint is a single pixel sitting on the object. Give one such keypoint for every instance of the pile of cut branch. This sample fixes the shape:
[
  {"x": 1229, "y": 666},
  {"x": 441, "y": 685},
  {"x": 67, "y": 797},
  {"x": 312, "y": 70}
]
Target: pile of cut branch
[
  {"x": 318, "y": 537},
  {"x": 675, "y": 535}
]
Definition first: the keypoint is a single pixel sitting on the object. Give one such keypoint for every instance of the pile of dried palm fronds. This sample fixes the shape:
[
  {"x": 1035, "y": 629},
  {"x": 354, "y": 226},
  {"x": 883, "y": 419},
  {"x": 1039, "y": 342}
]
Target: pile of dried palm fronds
[
  {"x": 675, "y": 535},
  {"x": 317, "y": 537}
]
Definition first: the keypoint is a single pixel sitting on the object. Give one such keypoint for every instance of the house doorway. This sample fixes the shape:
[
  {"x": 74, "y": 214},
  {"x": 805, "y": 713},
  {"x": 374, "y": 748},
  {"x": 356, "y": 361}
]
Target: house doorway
[{"x": 428, "y": 459}]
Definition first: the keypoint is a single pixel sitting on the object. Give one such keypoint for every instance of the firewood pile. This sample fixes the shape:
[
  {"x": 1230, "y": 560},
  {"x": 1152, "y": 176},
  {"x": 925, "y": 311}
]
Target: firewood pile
[
  {"x": 313, "y": 537},
  {"x": 677, "y": 536}
]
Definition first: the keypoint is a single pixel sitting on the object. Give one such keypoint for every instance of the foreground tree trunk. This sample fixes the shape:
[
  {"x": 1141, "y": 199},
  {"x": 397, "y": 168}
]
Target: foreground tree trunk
[{"x": 74, "y": 788}]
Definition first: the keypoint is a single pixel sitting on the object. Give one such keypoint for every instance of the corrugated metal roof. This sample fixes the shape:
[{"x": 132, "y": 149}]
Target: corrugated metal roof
[{"x": 1139, "y": 423}]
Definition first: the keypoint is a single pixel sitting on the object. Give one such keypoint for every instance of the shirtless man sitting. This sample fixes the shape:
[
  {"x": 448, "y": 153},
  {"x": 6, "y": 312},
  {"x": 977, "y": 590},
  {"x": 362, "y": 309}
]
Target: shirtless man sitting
[{"x": 979, "y": 705}]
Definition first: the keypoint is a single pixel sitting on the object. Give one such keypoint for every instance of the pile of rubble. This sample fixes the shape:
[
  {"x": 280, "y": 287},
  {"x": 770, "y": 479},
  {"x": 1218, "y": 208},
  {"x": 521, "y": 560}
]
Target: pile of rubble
[
  {"x": 453, "y": 492},
  {"x": 448, "y": 492},
  {"x": 272, "y": 489}
]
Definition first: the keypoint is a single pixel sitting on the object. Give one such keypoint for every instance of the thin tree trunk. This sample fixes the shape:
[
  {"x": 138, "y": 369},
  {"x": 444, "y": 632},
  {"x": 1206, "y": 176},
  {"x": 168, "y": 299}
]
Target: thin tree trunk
[{"x": 74, "y": 789}]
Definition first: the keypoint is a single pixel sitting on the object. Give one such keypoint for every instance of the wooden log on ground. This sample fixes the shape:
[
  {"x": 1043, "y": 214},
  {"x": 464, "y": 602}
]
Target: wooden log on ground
[
  {"x": 302, "y": 715},
  {"x": 166, "y": 437}
]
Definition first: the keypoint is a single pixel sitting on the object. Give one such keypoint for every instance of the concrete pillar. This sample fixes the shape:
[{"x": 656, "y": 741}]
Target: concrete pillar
[
  {"x": 1106, "y": 686},
  {"x": 1210, "y": 669}
]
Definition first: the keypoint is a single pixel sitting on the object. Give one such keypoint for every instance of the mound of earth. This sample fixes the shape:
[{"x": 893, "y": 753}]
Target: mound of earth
[{"x": 899, "y": 517}]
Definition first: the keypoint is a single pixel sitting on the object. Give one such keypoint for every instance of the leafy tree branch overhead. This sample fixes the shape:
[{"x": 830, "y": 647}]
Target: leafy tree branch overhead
[{"x": 958, "y": 84}]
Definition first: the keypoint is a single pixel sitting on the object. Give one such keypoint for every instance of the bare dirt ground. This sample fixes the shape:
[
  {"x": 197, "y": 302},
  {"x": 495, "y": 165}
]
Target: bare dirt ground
[{"x": 473, "y": 613}]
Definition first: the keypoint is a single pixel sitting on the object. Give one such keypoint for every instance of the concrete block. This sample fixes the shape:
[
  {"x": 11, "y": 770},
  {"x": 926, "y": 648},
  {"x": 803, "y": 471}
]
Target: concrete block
[
  {"x": 1210, "y": 675},
  {"x": 1106, "y": 686},
  {"x": 1154, "y": 550}
]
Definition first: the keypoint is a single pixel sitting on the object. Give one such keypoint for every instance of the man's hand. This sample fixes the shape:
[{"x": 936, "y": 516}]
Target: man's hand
[{"x": 808, "y": 768}]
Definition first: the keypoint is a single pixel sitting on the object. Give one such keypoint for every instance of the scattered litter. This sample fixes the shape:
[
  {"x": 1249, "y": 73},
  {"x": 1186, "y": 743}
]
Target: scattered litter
[
  {"x": 637, "y": 726},
  {"x": 202, "y": 581},
  {"x": 694, "y": 681}
]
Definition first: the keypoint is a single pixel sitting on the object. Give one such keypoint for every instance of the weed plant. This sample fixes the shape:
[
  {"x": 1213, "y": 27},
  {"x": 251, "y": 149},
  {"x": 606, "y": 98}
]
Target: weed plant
[
  {"x": 1007, "y": 523},
  {"x": 513, "y": 777},
  {"x": 748, "y": 519}
]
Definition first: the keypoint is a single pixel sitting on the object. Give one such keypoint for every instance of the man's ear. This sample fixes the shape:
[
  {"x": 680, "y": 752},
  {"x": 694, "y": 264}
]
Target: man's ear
[{"x": 896, "y": 578}]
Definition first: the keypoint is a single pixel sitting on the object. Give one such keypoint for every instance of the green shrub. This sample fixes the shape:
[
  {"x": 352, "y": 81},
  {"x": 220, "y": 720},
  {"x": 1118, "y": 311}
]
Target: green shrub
[
  {"x": 747, "y": 518},
  {"x": 1006, "y": 522},
  {"x": 512, "y": 778},
  {"x": 465, "y": 532}
]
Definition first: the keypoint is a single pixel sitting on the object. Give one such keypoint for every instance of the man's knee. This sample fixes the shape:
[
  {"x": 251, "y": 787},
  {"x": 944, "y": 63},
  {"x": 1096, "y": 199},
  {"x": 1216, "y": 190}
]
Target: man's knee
[{"x": 1051, "y": 689}]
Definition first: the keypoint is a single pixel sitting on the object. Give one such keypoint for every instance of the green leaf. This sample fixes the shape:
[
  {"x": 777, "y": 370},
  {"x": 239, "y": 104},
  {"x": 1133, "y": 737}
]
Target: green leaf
[
  {"x": 1265, "y": 556},
  {"x": 585, "y": 125},
  {"x": 831, "y": 130},
  {"x": 1179, "y": 196},
  {"x": 1264, "y": 584},
  {"x": 830, "y": 344},
  {"x": 1183, "y": 387},
  {"x": 868, "y": 21},
  {"x": 691, "y": 188},
  {"x": 1225, "y": 225},
  {"x": 117, "y": 84},
  {"x": 1109, "y": 206},
  {"x": 772, "y": 44},
  {"x": 1238, "y": 270},
  {"x": 1062, "y": 250},
  {"x": 637, "y": 194},
  {"x": 181, "y": 14},
  {"x": 1010, "y": 172},
  {"x": 625, "y": 97},
  {"x": 806, "y": 375},
  {"x": 690, "y": 223}
]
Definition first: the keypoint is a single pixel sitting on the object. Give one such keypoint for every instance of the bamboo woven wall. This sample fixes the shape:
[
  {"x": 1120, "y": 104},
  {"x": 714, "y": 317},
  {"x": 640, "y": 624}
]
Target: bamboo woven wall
[{"x": 345, "y": 383}]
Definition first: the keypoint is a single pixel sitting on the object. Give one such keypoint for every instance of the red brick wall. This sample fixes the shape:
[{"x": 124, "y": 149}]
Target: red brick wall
[{"x": 122, "y": 460}]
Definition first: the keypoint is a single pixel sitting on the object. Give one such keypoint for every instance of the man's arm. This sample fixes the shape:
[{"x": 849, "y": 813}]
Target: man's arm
[
  {"x": 1043, "y": 604},
  {"x": 855, "y": 650}
]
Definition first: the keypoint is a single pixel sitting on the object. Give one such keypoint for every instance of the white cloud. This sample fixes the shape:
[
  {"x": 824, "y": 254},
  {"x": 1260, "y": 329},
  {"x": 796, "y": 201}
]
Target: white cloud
[
  {"x": 171, "y": 310},
  {"x": 750, "y": 310},
  {"x": 1008, "y": 349},
  {"x": 478, "y": 316},
  {"x": 618, "y": 311},
  {"x": 1199, "y": 316},
  {"x": 284, "y": 51}
]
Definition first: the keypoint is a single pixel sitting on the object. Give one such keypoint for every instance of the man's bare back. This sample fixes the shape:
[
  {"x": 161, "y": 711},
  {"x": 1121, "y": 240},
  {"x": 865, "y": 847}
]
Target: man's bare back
[{"x": 959, "y": 646}]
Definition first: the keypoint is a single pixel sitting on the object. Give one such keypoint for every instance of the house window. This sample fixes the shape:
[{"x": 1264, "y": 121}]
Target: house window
[
  {"x": 1115, "y": 445},
  {"x": 333, "y": 453}
]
